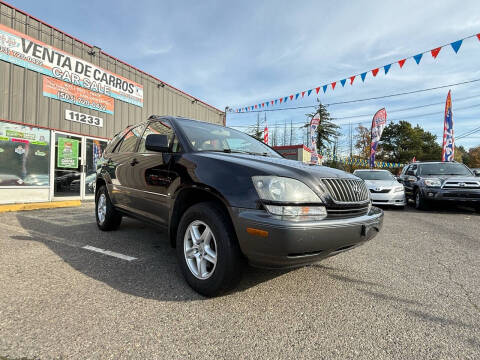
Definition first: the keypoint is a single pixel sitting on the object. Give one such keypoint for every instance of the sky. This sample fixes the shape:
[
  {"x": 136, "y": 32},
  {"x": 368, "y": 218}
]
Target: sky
[{"x": 243, "y": 53}]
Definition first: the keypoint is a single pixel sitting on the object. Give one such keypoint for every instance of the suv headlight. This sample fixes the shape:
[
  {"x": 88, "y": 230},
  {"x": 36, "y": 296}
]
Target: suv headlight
[
  {"x": 433, "y": 182},
  {"x": 398, "y": 189},
  {"x": 286, "y": 190}
]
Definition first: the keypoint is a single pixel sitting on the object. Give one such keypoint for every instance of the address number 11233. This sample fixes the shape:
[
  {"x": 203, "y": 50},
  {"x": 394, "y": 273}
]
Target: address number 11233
[{"x": 83, "y": 118}]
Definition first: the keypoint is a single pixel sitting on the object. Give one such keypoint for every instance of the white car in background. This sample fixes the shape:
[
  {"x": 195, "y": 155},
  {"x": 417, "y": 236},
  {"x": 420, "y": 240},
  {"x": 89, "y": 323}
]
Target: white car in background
[{"x": 384, "y": 187}]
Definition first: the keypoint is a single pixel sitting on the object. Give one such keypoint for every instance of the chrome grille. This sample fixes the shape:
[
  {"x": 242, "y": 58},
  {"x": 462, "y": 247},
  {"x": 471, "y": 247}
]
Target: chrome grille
[
  {"x": 461, "y": 184},
  {"x": 346, "y": 190}
]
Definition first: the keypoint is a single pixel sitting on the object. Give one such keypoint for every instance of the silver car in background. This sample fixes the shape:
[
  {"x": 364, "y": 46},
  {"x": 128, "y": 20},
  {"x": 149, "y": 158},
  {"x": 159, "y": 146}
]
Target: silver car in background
[{"x": 384, "y": 187}]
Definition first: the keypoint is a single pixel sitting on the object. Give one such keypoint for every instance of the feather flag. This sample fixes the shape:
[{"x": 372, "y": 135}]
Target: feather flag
[
  {"x": 378, "y": 124},
  {"x": 448, "y": 148}
]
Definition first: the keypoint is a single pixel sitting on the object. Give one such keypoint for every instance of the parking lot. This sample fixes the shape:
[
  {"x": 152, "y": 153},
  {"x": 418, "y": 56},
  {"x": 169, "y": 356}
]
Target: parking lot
[{"x": 413, "y": 292}]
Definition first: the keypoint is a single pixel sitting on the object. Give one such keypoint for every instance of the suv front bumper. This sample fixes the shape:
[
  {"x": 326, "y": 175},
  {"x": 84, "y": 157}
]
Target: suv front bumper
[
  {"x": 463, "y": 196},
  {"x": 285, "y": 243}
]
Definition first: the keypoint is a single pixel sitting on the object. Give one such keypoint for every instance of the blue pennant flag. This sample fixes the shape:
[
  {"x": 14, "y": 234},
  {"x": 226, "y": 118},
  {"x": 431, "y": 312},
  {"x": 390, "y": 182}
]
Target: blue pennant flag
[
  {"x": 325, "y": 88},
  {"x": 246, "y": 109},
  {"x": 456, "y": 45},
  {"x": 343, "y": 82},
  {"x": 297, "y": 95},
  {"x": 252, "y": 107},
  {"x": 267, "y": 103},
  {"x": 386, "y": 68},
  {"x": 276, "y": 101},
  {"x": 417, "y": 58},
  {"x": 363, "y": 76},
  {"x": 309, "y": 92},
  {"x": 285, "y": 99}
]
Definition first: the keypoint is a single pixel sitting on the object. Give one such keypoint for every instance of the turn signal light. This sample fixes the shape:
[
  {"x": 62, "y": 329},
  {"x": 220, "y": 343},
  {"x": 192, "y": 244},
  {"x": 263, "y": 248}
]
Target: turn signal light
[{"x": 257, "y": 232}]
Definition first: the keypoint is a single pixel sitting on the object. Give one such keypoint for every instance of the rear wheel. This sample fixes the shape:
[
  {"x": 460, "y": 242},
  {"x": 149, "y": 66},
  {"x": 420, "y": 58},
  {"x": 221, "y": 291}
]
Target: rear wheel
[
  {"x": 420, "y": 201},
  {"x": 107, "y": 217},
  {"x": 207, "y": 250}
]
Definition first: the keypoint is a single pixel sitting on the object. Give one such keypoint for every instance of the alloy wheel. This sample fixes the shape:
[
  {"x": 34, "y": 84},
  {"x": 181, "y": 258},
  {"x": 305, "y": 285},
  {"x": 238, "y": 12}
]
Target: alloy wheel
[
  {"x": 102, "y": 208},
  {"x": 200, "y": 250}
]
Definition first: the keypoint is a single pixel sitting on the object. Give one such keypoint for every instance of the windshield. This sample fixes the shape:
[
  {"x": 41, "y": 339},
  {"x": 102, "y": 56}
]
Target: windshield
[
  {"x": 444, "y": 169},
  {"x": 209, "y": 137},
  {"x": 374, "y": 175}
]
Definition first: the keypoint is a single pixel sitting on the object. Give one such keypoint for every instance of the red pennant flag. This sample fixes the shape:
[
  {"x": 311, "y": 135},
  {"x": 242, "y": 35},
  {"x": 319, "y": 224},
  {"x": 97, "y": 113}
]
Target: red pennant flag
[
  {"x": 291, "y": 97},
  {"x": 375, "y": 72},
  {"x": 271, "y": 102},
  {"x": 317, "y": 89},
  {"x": 401, "y": 62},
  {"x": 255, "y": 106},
  {"x": 263, "y": 104},
  {"x": 303, "y": 93},
  {"x": 333, "y": 85},
  {"x": 435, "y": 52},
  {"x": 478, "y": 36},
  {"x": 281, "y": 99},
  {"x": 351, "y": 79}
]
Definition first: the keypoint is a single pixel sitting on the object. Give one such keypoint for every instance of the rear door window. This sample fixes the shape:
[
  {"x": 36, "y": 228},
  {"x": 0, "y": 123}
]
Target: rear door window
[{"x": 130, "y": 139}]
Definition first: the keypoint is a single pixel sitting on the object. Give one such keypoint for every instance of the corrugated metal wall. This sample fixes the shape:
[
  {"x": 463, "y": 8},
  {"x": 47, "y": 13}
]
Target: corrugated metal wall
[{"x": 22, "y": 99}]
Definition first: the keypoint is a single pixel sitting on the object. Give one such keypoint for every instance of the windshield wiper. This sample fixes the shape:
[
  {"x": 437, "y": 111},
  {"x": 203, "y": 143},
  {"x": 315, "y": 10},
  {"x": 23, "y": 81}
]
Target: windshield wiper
[{"x": 230, "y": 151}]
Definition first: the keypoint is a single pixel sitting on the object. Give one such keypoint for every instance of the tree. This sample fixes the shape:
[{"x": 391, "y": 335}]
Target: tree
[
  {"x": 363, "y": 138},
  {"x": 326, "y": 130},
  {"x": 460, "y": 154},
  {"x": 473, "y": 157},
  {"x": 400, "y": 142},
  {"x": 256, "y": 130}
]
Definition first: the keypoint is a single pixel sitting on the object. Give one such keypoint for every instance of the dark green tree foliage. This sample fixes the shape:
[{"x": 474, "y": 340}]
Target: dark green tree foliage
[
  {"x": 400, "y": 142},
  {"x": 327, "y": 130}
]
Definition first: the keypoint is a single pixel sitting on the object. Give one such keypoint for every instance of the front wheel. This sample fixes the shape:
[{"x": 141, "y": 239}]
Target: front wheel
[
  {"x": 207, "y": 250},
  {"x": 420, "y": 201}
]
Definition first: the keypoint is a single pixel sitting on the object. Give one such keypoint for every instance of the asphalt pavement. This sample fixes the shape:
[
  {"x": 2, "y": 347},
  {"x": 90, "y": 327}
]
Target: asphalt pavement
[{"x": 68, "y": 290}]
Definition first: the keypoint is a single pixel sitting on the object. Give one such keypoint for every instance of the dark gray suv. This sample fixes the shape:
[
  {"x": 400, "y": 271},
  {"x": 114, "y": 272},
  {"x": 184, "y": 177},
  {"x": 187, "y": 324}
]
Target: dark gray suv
[{"x": 428, "y": 182}]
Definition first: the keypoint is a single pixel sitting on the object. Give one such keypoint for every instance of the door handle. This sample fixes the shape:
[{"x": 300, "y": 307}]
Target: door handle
[{"x": 134, "y": 162}]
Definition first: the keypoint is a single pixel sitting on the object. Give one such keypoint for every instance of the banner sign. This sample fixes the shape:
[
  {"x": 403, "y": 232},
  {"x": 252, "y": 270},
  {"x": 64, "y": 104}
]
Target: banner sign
[
  {"x": 23, "y": 50},
  {"x": 60, "y": 90},
  {"x": 378, "y": 123},
  {"x": 448, "y": 149},
  {"x": 67, "y": 156},
  {"x": 313, "y": 139},
  {"x": 265, "y": 135}
]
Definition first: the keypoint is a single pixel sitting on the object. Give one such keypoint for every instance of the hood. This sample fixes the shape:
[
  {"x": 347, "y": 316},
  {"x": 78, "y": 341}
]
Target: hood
[
  {"x": 454, "y": 178},
  {"x": 264, "y": 165},
  {"x": 375, "y": 184}
]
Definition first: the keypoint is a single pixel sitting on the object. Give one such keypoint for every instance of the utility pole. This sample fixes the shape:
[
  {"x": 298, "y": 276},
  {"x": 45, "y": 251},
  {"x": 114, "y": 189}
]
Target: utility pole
[
  {"x": 291, "y": 131},
  {"x": 225, "y": 116},
  {"x": 351, "y": 146}
]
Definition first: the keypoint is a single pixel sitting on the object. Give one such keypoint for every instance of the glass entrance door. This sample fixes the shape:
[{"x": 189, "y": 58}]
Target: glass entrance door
[
  {"x": 67, "y": 174},
  {"x": 93, "y": 152},
  {"x": 75, "y": 161}
]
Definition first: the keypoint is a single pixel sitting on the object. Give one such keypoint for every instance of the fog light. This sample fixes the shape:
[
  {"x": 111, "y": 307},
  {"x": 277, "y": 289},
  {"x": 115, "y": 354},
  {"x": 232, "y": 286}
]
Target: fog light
[{"x": 430, "y": 194}]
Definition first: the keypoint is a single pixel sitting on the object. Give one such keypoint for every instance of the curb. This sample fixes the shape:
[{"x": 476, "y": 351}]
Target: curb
[{"x": 39, "y": 205}]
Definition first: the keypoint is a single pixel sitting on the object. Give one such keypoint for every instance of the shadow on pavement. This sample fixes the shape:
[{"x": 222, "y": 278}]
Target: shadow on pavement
[{"x": 155, "y": 273}]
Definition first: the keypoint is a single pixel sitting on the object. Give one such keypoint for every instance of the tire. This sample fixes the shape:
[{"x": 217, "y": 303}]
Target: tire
[
  {"x": 420, "y": 201},
  {"x": 196, "y": 249},
  {"x": 107, "y": 217}
]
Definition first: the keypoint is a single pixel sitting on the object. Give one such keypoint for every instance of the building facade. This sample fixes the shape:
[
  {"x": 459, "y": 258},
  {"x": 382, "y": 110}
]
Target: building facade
[
  {"x": 295, "y": 152},
  {"x": 61, "y": 101}
]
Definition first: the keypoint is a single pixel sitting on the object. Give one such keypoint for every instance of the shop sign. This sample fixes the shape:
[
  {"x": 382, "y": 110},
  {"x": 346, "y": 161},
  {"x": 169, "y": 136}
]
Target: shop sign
[
  {"x": 67, "y": 156},
  {"x": 22, "y": 50},
  {"x": 57, "y": 89},
  {"x": 83, "y": 118}
]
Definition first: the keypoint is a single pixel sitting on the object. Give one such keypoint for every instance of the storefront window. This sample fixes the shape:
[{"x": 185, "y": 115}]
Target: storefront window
[
  {"x": 24, "y": 155},
  {"x": 94, "y": 152}
]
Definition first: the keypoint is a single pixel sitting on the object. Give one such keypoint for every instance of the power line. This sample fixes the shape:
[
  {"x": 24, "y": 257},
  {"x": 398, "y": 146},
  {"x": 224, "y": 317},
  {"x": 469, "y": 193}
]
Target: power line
[
  {"x": 365, "y": 99},
  {"x": 367, "y": 121}
]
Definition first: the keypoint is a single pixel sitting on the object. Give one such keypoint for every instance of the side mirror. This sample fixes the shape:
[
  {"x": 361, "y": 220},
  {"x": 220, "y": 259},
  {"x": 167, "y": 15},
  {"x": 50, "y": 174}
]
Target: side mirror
[
  {"x": 476, "y": 172},
  {"x": 157, "y": 142}
]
